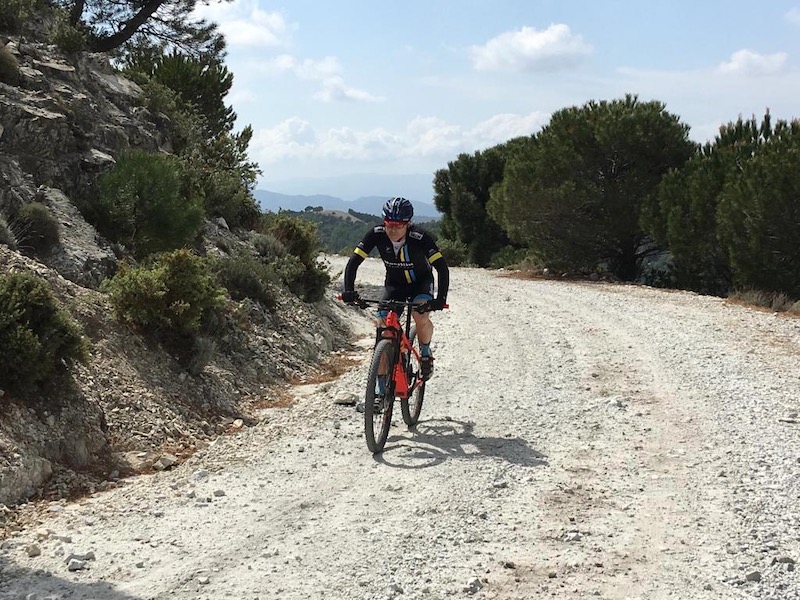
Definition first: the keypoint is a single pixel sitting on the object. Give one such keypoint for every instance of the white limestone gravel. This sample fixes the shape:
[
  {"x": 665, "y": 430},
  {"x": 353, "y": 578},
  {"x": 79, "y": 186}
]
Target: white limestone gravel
[{"x": 577, "y": 441}]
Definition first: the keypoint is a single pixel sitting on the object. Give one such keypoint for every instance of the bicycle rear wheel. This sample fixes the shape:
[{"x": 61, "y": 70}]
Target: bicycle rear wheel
[
  {"x": 379, "y": 398},
  {"x": 412, "y": 406}
]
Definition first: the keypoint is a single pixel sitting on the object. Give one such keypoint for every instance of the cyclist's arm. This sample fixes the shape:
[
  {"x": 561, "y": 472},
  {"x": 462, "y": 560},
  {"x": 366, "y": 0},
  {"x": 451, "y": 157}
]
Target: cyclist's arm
[
  {"x": 442, "y": 275},
  {"x": 437, "y": 261}
]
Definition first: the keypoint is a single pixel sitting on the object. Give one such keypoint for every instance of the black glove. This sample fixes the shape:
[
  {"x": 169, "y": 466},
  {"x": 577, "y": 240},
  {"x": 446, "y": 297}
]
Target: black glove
[
  {"x": 437, "y": 304},
  {"x": 349, "y": 296}
]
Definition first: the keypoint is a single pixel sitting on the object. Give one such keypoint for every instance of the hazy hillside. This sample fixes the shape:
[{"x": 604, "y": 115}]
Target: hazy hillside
[
  {"x": 340, "y": 231},
  {"x": 417, "y": 187},
  {"x": 274, "y": 201}
]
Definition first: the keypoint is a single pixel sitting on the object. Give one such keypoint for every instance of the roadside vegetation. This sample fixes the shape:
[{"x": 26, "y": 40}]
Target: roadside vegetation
[
  {"x": 616, "y": 190},
  {"x": 155, "y": 207}
]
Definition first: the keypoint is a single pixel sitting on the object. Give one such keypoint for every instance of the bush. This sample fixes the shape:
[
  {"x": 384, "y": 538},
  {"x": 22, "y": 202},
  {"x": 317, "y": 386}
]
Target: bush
[
  {"x": 300, "y": 271},
  {"x": 268, "y": 246},
  {"x": 776, "y": 301},
  {"x": 38, "y": 228},
  {"x": 174, "y": 294},
  {"x": 508, "y": 256},
  {"x": 306, "y": 282},
  {"x": 142, "y": 207},
  {"x": 246, "y": 277},
  {"x": 36, "y": 337},
  {"x": 455, "y": 253},
  {"x": 15, "y": 13},
  {"x": 298, "y": 236},
  {"x": 9, "y": 67},
  {"x": 7, "y": 235},
  {"x": 68, "y": 38}
]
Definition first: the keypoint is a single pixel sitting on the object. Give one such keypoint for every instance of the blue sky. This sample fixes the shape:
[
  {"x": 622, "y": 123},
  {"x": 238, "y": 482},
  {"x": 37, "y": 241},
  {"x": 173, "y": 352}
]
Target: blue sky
[{"x": 356, "y": 87}]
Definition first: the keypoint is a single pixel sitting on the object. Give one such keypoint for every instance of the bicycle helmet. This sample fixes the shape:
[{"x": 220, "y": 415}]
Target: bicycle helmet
[{"x": 398, "y": 209}]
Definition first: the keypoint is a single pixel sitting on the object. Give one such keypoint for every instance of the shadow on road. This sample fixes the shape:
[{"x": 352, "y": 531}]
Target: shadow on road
[
  {"x": 434, "y": 441},
  {"x": 20, "y": 582}
]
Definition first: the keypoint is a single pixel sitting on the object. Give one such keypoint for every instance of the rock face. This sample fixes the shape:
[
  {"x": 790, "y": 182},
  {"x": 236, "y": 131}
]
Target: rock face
[
  {"x": 133, "y": 407},
  {"x": 61, "y": 126}
]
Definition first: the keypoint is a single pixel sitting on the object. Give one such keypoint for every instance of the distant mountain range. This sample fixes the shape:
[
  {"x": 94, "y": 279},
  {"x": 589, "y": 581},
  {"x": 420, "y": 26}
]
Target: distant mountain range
[
  {"x": 371, "y": 205},
  {"x": 417, "y": 187}
]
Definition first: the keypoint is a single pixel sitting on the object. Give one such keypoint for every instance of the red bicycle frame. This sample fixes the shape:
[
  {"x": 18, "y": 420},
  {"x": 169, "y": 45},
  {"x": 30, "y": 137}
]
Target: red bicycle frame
[{"x": 400, "y": 377}]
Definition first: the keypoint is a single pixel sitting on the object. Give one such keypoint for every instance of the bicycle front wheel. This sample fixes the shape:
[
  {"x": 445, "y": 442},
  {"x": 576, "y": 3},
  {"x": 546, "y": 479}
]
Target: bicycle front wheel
[
  {"x": 412, "y": 406},
  {"x": 379, "y": 398}
]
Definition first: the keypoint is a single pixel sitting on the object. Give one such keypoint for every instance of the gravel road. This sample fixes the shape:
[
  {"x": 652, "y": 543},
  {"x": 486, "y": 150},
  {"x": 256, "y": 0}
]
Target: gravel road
[{"x": 577, "y": 441}]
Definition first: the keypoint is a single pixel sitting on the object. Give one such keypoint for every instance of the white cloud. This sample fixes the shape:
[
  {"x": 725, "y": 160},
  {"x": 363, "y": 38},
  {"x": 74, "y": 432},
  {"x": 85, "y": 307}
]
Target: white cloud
[
  {"x": 746, "y": 62},
  {"x": 793, "y": 16},
  {"x": 432, "y": 137},
  {"x": 528, "y": 49},
  {"x": 326, "y": 71},
  {"x": 238, "y": 97},
  {"x": 243, "y": 23},
  {"x": 295, "y": 138},
  {"x": 334, "y": 90}
]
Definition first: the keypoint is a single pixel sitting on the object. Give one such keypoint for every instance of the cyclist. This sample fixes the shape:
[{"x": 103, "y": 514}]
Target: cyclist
[{"x": 408, "y": 253}]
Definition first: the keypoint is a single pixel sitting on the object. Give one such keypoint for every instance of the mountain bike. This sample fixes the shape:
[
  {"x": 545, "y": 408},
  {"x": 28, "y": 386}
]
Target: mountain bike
[{"x": 395, "y": 372}]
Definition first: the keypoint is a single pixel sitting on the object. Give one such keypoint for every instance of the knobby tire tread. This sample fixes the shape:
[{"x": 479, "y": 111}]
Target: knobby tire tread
[
  {"x": 412, "y": 407},
  {"x": 376, "y": 442}
]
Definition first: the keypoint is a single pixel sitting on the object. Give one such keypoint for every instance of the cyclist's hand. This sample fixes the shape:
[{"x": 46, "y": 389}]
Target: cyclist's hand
[
  {"x": 350, "y": 297},
  {"x": 437, "y": 304}
]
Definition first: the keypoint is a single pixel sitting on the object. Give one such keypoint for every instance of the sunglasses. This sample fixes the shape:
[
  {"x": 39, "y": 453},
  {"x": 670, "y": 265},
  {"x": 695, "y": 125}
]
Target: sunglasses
[{"x": 394, "y": 224}]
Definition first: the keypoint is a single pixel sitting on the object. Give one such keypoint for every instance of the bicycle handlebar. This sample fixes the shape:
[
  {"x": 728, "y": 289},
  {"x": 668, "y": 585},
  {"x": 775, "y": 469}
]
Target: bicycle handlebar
[{"x": 395, "y": 305}]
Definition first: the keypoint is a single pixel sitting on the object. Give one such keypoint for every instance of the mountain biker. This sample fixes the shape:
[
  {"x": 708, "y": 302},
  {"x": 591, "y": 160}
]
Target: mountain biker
[{"x": 408, "y": 253}]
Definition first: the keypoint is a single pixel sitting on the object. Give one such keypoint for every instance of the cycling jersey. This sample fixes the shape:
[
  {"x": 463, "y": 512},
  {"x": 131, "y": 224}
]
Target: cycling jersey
[{"x": 408, "y": 269}]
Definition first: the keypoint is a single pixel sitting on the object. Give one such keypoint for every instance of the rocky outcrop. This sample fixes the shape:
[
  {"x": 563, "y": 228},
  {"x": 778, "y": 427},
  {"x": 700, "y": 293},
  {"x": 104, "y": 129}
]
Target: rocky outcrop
[
  {"x": 61, "y": 126},
  {"x": 133, "y": 407}
]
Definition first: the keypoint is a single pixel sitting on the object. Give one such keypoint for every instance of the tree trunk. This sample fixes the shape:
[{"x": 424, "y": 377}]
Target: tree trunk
[
  {"x": 76, "y": 12},
  {"x": 104, "y": 44}
]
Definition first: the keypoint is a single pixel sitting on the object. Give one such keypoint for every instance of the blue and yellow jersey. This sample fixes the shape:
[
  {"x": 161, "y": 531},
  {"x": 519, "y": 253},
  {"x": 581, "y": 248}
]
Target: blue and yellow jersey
[{"x": 410, "y": 265}]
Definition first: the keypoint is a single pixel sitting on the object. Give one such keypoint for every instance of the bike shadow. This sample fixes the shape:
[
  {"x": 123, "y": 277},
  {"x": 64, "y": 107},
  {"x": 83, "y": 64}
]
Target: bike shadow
[{"x": 433, "y": 441}]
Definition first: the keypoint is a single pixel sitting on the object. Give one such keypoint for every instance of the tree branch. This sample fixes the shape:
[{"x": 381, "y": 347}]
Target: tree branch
[{"x": 104, "y": 44}]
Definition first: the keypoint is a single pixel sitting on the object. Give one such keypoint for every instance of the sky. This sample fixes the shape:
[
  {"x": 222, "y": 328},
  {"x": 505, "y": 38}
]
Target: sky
[{"x": 355, "y": 89}]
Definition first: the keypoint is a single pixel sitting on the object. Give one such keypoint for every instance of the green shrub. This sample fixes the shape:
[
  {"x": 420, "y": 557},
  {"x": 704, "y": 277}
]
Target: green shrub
[
  {"x": 173, "y": 294},
  {"x": 225, "y": 196},
  {"x": 314, "y": 282},
  {"x": 777, "y": 301},
  {"x": 298, "y": 236},
  {"x": 9, "y": 67},
  {"x": 455, "y": 253},
  {"x": 7, "y": 235},
  {"x": 299, "y": 269},
  {"x": 246, "y": 277},
  {"x": 306, "y": 282},
  {"x": 15, "y": 13},
  {"x": 38, "y": 228},
  {"x": 36, "y": 337},
  {"x": 142, "y": 206},
  {"x": 68, "y": 38},
  {"x": 185, "y": 124},
  {"x": 508, "y": 256},
  {"x": 268, "y": 246}
]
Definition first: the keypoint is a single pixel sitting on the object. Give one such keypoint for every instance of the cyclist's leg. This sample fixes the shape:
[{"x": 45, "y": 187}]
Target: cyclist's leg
[
  {"x": 389, "y": 293},
  {"x": 423, "y": 321},
  {"x": 424, "y": 327},
  {"x": 420, "y": 294}
]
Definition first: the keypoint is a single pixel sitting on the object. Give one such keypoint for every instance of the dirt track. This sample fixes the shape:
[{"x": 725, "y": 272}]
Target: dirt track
[{"x": 577, "y": 441}]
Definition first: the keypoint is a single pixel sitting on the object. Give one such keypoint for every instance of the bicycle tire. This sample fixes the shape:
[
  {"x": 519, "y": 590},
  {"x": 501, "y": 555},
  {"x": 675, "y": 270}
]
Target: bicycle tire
[
  {"x": 412, "y": 407},
  {"x": 377, "y": 405}
]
